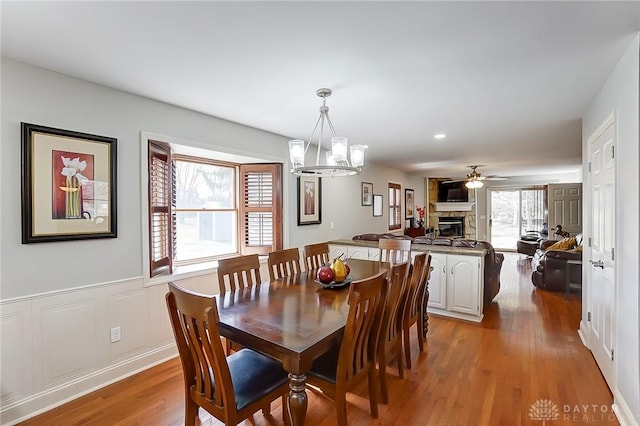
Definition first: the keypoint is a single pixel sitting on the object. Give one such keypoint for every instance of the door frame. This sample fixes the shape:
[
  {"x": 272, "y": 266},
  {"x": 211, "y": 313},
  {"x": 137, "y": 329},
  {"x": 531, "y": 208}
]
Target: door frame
[{"x": 489, "y": 222}]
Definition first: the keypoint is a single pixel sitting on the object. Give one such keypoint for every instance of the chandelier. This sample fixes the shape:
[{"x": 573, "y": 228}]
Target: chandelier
[{"x": 336, "y": 162}]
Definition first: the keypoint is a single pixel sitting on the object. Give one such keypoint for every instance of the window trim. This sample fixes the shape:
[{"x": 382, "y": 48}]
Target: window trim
[
  {"x": 235, "y": 208},
  {"x": 195, "y": 270}
]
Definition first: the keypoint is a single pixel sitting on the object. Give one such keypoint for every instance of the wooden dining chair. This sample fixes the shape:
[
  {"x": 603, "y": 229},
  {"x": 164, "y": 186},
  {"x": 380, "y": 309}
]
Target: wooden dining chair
[
  {"x": 414, "y": 305},
  {"x": 343, "y": 367},
  {"x": 229, "y": 388},
  {"x": 394, "y": 250},
  {"x": 316, "y": 255},
  {"x": 238, "y": 272},
  {"x": 390, "y": 341},
  {"x": 284, "y": 263}
]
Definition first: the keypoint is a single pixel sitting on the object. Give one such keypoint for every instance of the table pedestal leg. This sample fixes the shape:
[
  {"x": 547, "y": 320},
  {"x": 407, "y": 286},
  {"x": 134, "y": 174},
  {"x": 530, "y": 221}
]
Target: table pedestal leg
[{"x": 297, "y": 399}]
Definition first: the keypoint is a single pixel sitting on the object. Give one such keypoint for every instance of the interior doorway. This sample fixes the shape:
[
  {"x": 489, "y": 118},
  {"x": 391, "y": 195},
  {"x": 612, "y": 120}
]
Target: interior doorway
[{"x": 514, "y": 212}]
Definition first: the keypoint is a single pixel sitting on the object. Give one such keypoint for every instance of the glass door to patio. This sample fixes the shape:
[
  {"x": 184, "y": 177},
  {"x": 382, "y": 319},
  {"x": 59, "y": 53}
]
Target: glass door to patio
[{"x": 515, "y": 212}]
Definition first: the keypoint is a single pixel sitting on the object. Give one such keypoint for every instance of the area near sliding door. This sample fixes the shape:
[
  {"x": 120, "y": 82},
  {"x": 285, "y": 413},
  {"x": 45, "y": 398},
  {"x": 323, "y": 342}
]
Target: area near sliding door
[{"x": 513, "y": 212}]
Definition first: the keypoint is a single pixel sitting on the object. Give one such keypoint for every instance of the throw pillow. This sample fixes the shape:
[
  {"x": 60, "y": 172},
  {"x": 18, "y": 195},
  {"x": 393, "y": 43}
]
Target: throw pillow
[{"x": 563, "y": 244}]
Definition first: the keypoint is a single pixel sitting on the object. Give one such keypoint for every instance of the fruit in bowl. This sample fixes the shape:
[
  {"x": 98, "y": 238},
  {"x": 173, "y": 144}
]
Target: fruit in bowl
[
  {"x": 340, "y": 271},
  {"x": 325, "y": 274}
]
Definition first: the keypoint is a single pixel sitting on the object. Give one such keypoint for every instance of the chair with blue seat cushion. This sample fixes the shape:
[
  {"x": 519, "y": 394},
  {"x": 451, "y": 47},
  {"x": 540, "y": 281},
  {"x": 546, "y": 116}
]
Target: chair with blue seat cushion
[
  {"x": 345, "y": 365},
  {"x": 229, "y": 388}
]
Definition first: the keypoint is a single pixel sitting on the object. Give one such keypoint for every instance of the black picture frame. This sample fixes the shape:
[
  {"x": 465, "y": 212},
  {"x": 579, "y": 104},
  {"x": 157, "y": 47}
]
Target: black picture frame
[
  {"x": 309, "y": 200},
  {"x": 366, "y": 194},
  {"x": 68, "y": 185},
  {"x": 377, "y": 205}
]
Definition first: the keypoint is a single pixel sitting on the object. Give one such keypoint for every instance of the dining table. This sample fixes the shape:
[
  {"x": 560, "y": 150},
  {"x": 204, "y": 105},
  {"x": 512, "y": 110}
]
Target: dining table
[{"x": 293, "y": 319}]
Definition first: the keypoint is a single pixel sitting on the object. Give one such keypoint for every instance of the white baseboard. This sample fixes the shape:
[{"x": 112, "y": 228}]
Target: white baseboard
[
  {"x": 582, "y": 333},
  {"x": 33, "y": 405},
  {"x": 622, "y": 411}
]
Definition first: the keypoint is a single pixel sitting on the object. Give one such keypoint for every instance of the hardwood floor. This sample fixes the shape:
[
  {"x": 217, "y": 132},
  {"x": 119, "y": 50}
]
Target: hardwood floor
[{"x": 526, "y": 350}]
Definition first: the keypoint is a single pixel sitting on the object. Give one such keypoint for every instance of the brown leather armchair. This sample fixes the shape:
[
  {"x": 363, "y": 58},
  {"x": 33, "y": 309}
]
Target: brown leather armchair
[{"x": 550, "y": 266}]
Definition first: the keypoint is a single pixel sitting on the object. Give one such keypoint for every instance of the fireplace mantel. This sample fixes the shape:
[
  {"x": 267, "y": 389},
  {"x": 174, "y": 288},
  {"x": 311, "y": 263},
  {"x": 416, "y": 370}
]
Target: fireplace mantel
[{"x": 454, "y": 206}]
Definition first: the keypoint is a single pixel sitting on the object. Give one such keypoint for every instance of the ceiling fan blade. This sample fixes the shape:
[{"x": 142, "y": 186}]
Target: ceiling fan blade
[
  {"x": 494, "y": 178},
  {"x": 455, "y": 180}
]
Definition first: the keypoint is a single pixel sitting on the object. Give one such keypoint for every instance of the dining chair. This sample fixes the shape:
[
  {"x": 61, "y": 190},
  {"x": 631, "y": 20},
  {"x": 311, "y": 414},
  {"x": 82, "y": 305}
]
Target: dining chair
[
  {"x": 229, "y": 388},
  {"x": 238, "y": 272},
  {"x": 283, "y": 263},
  {"x": 316, "y": 255},
  {"x": 345, "y": 366},
  {"x": 394, "y": 250},
  {"x": 414, "y": 306},
  {"x": 390, "y": 341}
]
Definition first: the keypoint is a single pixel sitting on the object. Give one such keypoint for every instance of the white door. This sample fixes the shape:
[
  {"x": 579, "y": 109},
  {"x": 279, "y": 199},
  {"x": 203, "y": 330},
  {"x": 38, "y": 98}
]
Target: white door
[
  {"x": 438, "y": 281},
  {"x": 600, "y": 269},
  {"x": 462, "y": 284},
  {"x": 565, "y": 207}
]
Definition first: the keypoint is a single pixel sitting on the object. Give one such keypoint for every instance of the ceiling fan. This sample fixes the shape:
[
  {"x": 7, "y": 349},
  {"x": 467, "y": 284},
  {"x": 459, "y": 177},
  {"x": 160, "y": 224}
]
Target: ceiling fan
[{"x": 475, "y": 179}]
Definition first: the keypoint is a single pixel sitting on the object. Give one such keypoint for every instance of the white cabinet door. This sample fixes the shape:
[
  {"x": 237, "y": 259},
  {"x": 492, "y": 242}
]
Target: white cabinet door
[
  {"x": 336, "y": 251},
  {"x": 438, "y": 281},
  {"x": 462, "y": 284},
  {"x": 374, "y": 254},
  {"x": 358, "y": 253}
]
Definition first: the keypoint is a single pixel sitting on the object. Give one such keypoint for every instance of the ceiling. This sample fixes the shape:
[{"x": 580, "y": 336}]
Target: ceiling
[{"x": 507, "y": 82}]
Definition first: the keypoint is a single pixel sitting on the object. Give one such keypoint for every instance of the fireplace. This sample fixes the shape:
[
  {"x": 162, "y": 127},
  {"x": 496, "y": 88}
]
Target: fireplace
[{"x": 451, "y": 226}]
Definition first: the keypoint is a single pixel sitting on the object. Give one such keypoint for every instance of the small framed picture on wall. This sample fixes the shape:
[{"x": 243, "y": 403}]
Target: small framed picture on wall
[
  {"x": 377, "y": 205},
  {"x": 367, "y": 194}
]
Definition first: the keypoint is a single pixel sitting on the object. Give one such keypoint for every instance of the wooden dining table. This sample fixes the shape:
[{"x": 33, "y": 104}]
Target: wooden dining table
[{"x": 292, "y": 319}]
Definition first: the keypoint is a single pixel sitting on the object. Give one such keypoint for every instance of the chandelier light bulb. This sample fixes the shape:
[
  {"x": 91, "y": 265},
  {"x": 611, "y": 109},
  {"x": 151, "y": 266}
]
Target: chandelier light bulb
[
  {"x": 339, "y": 149},
  {"x": 357, "y": 155},
  {"x": 296, "y": 151},
  {"x": 330, "y": 160}
]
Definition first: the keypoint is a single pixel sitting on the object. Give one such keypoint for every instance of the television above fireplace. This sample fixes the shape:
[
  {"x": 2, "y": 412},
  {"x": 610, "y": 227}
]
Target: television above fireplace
[{"x": 452, "y": 192}]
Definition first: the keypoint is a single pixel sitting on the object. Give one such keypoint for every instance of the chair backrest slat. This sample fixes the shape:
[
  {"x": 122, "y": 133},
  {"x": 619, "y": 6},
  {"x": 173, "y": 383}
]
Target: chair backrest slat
[
  {"x": 394, "y": 250},
  {"x": 283, "y": 263},
  {"x": 238, "y": 272},
  {"x": 316, "y": 255}
]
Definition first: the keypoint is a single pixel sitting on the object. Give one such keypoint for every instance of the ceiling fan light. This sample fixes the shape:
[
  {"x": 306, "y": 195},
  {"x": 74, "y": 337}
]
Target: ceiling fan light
[{"x": 474, "y": 184}]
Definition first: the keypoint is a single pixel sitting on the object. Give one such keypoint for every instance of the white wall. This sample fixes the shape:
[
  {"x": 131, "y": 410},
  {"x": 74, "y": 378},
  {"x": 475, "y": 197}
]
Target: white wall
[
  {"x": 620, "y": 94},
  {"x": 56, "y": 315}
]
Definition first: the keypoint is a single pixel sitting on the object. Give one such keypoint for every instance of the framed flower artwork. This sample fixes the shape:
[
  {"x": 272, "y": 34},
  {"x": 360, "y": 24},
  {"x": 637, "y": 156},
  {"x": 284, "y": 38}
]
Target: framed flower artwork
[
  {"x": 68, "y": 185},
  {"x": 309, "y": 200}
]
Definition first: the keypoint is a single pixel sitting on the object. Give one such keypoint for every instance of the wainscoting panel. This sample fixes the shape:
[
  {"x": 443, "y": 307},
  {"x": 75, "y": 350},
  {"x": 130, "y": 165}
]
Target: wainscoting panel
[
  {"x": 66, "y": 333},
  {"x": 15, "y": 355},
  {"x": 57, "y": 346},
  {"x": 128, "y": 311}
]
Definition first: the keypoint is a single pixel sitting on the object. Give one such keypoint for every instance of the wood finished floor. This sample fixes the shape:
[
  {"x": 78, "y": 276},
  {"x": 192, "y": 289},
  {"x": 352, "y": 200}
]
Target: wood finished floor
[{"x": 526, "y": 349}]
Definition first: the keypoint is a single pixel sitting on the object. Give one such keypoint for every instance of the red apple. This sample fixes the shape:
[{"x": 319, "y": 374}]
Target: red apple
[{"x": 325, "y": 274}]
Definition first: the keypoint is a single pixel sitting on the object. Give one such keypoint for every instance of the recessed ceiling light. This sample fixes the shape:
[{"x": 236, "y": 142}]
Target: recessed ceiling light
[{"x": 439, "y": 136}]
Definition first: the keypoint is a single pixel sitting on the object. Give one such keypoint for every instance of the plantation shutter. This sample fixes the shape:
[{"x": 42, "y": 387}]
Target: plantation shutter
[
  {"x": 162, "y": 198},
  {"x": 260, "y": 208},
  {"x": 394, "y": 206}
]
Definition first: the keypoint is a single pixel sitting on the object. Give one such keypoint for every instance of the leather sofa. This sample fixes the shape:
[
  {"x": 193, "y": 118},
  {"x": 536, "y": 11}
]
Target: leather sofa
[
  {"x": 550, "y": 266},
  {"x": 492, "y": 260}
]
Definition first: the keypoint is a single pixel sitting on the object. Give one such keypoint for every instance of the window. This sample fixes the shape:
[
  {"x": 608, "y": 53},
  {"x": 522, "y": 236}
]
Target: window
[
  {"x": 202, "y": 209},
  {"x": 395, "y": 213}
]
